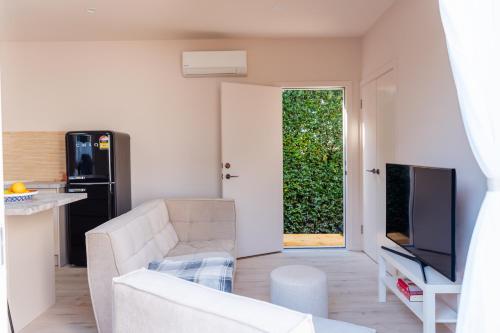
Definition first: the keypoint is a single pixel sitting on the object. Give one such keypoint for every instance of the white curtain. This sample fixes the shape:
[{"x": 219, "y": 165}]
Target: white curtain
[{"x": 472, "y": 29}]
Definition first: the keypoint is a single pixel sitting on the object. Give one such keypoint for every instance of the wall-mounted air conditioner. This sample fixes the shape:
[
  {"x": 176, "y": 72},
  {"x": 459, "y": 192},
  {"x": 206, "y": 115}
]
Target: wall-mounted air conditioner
[{"x": 214, "y": 63}]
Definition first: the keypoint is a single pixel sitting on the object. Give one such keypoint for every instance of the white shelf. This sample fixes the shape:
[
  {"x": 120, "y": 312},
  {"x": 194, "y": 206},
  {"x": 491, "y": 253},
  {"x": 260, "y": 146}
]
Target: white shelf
[
  {"x": 432, "y": 310},
  {"x": 436, "y": 282},
  {"x": 444, "y": 314}
]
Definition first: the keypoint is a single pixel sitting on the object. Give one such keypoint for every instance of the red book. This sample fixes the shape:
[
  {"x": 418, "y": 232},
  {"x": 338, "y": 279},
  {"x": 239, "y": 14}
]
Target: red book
[
  {"x": 410, "y": 287},
  {"x": 411, "y": 291}
]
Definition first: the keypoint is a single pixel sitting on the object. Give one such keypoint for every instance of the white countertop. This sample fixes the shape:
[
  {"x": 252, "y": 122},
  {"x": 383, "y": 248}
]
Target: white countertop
[
  {"x": 45, "y": 184},
  {"x": 42, "y": 202},
  {"x": 31, "y": 184}
]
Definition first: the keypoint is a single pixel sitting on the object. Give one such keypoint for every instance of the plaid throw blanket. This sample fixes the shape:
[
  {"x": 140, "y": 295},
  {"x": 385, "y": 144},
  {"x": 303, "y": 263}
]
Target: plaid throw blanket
[{"x": 214, "y": 272}]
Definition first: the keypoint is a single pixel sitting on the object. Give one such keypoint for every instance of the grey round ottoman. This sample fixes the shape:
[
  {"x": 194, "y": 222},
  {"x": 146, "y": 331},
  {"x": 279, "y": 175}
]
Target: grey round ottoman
[{"x": 301, "y": 288}]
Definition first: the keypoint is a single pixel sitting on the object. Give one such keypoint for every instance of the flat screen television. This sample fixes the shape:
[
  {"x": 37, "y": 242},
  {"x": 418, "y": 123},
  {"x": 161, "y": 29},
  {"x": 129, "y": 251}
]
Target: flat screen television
[{"x": 420, "y": 214}]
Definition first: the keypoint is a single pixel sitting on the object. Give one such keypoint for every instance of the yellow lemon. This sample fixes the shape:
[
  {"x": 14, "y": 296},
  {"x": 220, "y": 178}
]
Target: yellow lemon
[
  {"x": 18, "y": 188},
  {"x": 7, "y": 192}
]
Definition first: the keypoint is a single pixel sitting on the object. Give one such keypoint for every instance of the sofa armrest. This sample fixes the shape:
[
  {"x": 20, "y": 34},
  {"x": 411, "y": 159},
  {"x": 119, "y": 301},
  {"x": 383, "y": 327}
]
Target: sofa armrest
[
  {"x": 147, "y": 301},
  {"x": 203, "y": 219},
  {"x": 101, "y": 269}
]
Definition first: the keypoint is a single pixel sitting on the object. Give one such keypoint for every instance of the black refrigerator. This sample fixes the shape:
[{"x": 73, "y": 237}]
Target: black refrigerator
[{"x": 97, "y": 163}]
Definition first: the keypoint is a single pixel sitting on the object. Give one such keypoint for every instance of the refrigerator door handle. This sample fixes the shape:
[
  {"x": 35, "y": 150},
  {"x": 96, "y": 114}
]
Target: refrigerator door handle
[
  {"x": 77, "y": 190},
  {"x": 110, "y": 204},
  {"x": 82, "y": 184}
]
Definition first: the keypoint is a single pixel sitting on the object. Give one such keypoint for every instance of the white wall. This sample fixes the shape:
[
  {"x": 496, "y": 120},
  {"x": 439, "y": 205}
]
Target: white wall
[
  {"x": 429, "y": 129},
  {"x": 137, "y": 87}
]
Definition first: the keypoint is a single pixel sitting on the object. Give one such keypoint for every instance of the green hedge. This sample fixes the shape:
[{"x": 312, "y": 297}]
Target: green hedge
[{"x": 313, "y": 161}]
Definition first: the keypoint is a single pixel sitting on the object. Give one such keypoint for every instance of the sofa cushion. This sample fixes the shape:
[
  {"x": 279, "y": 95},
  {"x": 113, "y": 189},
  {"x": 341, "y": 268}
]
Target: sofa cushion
[
  {"x": 193, "y": 247},
  {"x": 201, "y": 255},
  {"x": 152, "y": 302},
  {"x": 202, "y": 219},
  {"x": 142, "y": 235}
]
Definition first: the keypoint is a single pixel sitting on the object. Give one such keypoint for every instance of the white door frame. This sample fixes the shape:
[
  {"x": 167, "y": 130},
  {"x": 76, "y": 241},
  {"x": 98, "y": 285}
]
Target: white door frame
[
  {"x": 389, "y": 66},
  {"x": 3, "y": 267},
  {"x": 352, "y": 218}
]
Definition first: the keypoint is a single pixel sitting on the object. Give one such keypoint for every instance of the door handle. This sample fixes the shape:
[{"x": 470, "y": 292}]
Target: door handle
[
  {"x": 228, "y": 176},
  {"x": 374, "y": 171},
  {"x": 76, "y": 190}
]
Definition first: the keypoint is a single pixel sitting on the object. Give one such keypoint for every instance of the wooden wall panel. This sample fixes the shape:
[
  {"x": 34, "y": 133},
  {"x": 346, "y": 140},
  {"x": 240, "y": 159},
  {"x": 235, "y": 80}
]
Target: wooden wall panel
[{"x": 39, "y": 156}]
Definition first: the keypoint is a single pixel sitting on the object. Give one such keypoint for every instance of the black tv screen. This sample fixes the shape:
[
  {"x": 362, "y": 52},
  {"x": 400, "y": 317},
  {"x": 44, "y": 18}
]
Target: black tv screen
[{"x": 420, "y": 214}]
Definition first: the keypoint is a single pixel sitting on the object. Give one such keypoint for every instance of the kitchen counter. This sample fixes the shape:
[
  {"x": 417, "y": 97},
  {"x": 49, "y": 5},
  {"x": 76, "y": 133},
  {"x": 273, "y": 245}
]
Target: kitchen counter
[
  {"x": 60, "y": 223},
  {"x": 42, "y": 202},
  {"x": 30, "y": 238}
]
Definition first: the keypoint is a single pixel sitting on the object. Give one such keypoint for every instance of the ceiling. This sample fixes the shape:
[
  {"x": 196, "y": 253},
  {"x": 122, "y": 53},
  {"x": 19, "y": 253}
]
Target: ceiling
[{"x": 65, "y": 20}]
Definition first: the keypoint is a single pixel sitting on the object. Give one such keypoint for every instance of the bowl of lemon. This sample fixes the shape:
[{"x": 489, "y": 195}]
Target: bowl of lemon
[{"x": 18, "y": 192}]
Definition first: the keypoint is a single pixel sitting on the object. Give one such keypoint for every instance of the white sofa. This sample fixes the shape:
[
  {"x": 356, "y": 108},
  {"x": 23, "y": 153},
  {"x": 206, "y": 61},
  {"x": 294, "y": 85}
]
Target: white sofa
[
  {"x": 152, "y": 302},
  {"x": 183, "y": 228}
]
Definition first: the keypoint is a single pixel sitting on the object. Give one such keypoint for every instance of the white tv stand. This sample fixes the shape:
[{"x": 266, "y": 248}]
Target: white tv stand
[{"x": 432, "y": 310}]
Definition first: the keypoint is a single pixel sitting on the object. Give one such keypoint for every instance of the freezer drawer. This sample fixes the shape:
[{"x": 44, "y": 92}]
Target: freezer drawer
[{"x": 84, "y": 215}]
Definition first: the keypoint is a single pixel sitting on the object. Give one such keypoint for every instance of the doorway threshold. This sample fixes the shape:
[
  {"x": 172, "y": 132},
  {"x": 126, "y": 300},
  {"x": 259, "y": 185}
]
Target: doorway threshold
[{"x": 313, "y": 240}]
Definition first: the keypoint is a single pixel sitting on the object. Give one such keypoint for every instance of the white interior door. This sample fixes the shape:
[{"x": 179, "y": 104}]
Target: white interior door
[
  {"x": 378, "y": 139},
  {"x": 252, "y": 164}
]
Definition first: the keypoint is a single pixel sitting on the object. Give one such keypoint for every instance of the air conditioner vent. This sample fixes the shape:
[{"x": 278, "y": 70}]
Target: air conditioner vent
[{"x": 214, "y": 63}]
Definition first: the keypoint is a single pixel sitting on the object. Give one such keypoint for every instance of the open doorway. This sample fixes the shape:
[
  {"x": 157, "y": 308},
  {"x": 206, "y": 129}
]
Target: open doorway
[{"x": 313, "y": 167}]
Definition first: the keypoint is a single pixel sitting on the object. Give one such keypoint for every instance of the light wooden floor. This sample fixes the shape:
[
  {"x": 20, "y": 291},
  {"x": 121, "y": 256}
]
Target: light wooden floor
[
  {"x": 313, "y": 240},
  {"x": 72, "y": 312},
  {"x": 352, "y": 279}
]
